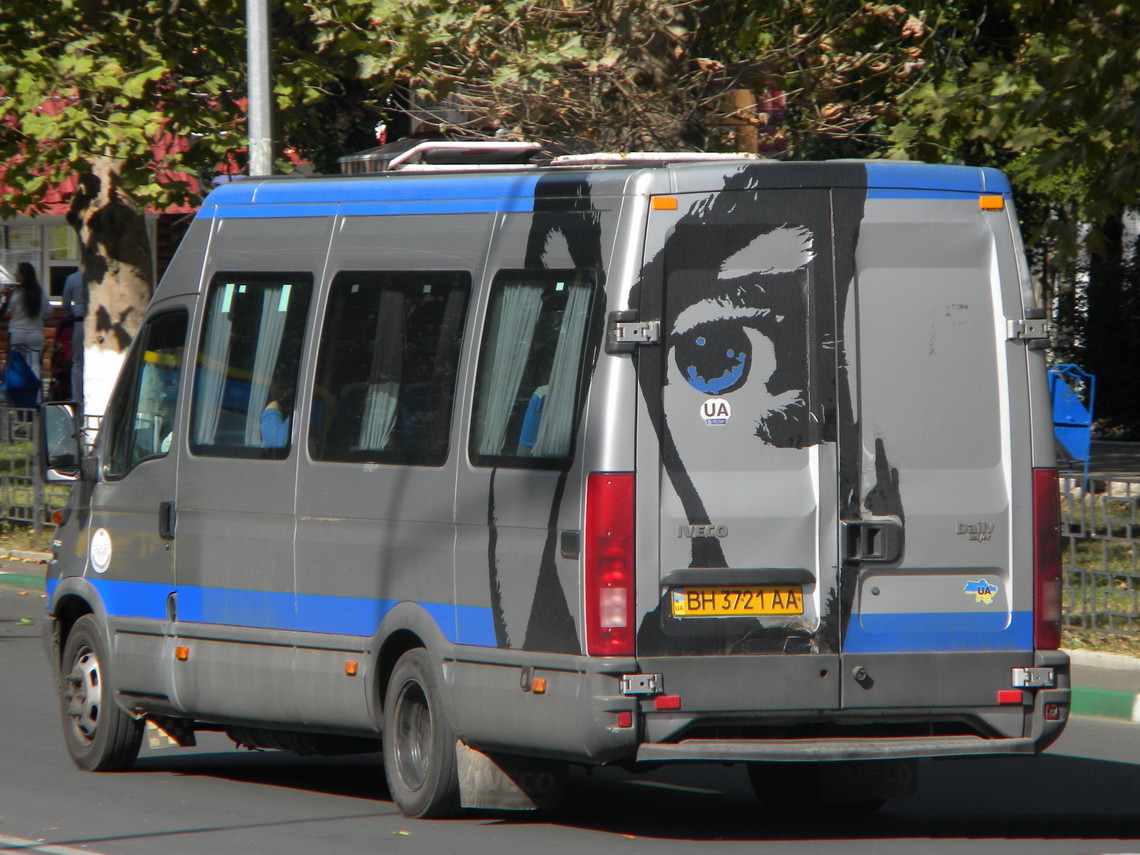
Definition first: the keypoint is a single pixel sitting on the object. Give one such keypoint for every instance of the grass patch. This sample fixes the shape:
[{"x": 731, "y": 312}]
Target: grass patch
[
  {"x": 1075, "y": 639},
  {"x": 23, "y": 538}
]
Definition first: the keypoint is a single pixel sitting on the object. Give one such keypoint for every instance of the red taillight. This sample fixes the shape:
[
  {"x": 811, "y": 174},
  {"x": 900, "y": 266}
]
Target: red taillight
[
  {"x": 1046, "y": 560},
  {"x": 608, "y": 561}
]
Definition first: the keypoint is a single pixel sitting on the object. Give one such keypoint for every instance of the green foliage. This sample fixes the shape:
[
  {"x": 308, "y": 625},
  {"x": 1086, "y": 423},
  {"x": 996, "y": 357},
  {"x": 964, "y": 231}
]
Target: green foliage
[
  {"x": 1055, "y": 105},
  {"x": 157, "y": 85}
]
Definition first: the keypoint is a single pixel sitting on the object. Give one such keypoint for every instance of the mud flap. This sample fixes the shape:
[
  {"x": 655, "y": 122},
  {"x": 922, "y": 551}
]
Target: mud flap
[{"x": 508, "y": 781}]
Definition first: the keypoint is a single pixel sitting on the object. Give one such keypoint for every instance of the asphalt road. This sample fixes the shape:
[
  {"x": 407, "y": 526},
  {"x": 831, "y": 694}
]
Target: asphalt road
[{"x": 1081, "y": 797}]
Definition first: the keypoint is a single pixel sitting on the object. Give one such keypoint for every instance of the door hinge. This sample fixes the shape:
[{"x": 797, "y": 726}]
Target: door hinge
[
  {"x": 1034, "y": 332},
  {"x": 641, "y": 684},
  {"x": 1033, "y": 678},
  {"x": 625, "y": 332}
]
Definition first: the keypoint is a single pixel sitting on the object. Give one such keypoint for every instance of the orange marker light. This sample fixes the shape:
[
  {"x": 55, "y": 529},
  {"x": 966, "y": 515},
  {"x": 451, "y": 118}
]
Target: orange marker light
[
  {"x": 991, "y": 203},
  {"x": 664, "y": 203},
  {"x": 181, "y": 653},
  {"x": 351, "y": 668},
  {"x": 538, "y": 686}
]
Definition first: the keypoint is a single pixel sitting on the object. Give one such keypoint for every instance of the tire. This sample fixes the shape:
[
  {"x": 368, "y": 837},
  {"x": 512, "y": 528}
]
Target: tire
[
  {"x": 419, "y": 743},
  {"x": 100, "y": 736}
]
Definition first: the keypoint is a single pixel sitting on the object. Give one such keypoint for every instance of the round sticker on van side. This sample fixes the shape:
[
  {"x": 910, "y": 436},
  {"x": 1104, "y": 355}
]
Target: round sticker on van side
[
  {"x": 716, "y": 411},
  {"x": 100, "y": 550}
]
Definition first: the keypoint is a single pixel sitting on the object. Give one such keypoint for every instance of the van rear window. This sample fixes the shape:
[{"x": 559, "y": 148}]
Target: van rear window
[
  {"x": 530, "y": 368},
  {"x": 245, "y": 384},
  {"x": 387, "y": 365}
]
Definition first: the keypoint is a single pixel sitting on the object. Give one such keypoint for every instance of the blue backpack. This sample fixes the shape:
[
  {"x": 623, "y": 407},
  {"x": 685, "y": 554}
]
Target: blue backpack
[{"x": 20, "y": 382}]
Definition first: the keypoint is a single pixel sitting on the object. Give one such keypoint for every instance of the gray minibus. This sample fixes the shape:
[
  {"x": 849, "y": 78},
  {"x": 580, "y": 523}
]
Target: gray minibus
[{"x": 503, "y": 468}]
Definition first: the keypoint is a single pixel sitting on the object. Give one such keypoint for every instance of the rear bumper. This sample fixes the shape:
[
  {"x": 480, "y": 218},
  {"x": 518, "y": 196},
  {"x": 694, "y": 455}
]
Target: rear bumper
[{"x": 812, "y": 750}]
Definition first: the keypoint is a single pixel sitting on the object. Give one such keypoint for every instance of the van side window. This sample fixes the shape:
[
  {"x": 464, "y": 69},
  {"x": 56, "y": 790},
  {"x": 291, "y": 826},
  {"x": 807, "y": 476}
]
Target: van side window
[
  {"x": 248, "y": 360},
  {"x": 141, "y": 413},
  {"x": 387, "y": 366},
  {"x": 526, "y": 392}
]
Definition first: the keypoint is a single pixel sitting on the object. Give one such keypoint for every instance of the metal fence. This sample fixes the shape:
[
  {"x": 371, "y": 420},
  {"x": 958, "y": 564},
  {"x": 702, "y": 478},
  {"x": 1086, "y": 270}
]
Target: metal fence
[
  {"x": 24, "y": 497},
  {"x": 1100, "y": 557}
]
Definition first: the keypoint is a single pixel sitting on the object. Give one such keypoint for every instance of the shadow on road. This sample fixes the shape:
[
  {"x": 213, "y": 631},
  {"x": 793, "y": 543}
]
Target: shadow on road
[{"x": 1049, "y": 797}]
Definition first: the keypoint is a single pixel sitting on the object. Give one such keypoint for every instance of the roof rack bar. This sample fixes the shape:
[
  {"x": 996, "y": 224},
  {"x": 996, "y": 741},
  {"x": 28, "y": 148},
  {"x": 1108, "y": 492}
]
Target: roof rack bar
[
  {"x": 614, "y": 157},
  {"x": 465, "y": 153}
]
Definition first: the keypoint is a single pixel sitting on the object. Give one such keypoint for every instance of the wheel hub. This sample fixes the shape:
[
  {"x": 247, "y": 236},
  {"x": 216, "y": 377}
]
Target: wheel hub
[{"x": 84, "y": 694}]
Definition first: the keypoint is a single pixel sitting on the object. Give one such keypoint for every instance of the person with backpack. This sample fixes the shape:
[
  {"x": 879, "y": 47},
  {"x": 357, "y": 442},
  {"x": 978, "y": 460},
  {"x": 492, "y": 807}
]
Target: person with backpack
[{"x": 28, "y": 308}]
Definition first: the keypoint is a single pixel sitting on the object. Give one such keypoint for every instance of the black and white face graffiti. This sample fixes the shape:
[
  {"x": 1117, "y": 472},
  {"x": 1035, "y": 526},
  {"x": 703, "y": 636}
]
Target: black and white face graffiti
[
  {"x": 754, "y": 282},
  {"x": 740, "y": 340}
]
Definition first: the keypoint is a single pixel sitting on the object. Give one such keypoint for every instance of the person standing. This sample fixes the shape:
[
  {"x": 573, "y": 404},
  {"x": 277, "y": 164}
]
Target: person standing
[
  {"x": 28, "y": 309},
  {"x": 75, "y": 305}
]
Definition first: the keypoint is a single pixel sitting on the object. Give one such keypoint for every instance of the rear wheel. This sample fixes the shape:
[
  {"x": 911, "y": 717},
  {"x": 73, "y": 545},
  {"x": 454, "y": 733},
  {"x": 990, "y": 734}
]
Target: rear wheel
[
  {"x": 419, "y": 743},
  {"x": 100, "y": 736}
]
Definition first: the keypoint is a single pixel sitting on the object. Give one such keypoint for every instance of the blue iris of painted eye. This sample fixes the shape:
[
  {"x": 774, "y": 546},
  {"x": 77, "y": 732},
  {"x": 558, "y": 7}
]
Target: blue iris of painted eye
[{"x": 715, "y": 361}]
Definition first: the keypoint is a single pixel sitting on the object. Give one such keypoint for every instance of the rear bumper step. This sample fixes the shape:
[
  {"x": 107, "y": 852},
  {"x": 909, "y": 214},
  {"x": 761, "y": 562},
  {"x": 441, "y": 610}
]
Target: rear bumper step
[{"x": 830, "y": 749}]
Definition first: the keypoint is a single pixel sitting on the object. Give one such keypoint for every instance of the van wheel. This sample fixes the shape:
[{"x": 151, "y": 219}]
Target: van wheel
[
  {"x": 100, "y": 736},
  {"x": 419, "y": 743}
]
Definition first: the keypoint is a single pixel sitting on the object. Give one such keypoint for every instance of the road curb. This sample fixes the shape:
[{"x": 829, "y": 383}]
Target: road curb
[
  {"x": 17, "y": 579},
  {"x": 1105, "y": 703}
]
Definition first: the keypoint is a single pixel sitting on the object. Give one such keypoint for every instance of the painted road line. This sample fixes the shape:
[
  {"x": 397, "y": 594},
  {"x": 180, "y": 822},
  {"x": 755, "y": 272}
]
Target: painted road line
[{"x": 19, "y": 844}]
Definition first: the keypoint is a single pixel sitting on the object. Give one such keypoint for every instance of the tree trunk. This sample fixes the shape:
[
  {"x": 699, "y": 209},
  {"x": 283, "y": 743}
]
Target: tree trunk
[{"x": 117, "y": 279}]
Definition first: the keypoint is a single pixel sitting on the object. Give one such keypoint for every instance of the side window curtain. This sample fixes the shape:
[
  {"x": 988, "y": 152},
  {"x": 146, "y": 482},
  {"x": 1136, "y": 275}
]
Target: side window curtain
[
  {"x": 248, "y": 363},
  {"x": 143, "y": 409},
  {"x": 387, "y": 366},
  {"x": 530, "y": 369}
]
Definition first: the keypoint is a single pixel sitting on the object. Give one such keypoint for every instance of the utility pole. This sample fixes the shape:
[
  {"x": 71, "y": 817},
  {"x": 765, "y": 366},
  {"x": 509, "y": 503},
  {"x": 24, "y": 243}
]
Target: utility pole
[{"x": 259, "y": 92}]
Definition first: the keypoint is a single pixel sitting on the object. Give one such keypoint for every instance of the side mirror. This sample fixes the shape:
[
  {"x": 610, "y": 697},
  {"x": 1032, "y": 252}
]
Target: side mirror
[{"x": 62, "y": 444}]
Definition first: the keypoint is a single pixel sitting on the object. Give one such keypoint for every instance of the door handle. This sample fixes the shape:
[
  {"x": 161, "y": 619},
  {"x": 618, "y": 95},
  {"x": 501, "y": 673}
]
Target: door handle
[
  {"x": 166, "y": 520},
  {"x": 877, "y": 540}
]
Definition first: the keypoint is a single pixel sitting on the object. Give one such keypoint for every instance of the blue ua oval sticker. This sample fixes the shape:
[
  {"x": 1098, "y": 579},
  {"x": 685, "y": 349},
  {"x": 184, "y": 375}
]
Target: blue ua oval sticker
[{"x": 716, "y": 411}]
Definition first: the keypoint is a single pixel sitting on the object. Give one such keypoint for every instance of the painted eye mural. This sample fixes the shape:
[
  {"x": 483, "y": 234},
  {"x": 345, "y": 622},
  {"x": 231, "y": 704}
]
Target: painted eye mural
[
  {"x": 714, "y": 357},
  {"x": 743, "y": 328}
]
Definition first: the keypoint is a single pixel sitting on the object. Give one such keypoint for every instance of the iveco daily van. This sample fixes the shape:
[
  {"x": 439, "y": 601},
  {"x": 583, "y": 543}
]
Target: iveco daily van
[{"x": 609, "y": 460}]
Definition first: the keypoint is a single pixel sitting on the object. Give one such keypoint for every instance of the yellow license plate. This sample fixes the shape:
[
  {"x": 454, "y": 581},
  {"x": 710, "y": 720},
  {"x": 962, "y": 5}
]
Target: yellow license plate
[{"x": 738, "y": 602}]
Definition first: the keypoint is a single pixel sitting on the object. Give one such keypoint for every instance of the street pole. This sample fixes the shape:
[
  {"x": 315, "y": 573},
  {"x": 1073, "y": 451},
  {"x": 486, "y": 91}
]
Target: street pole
[{"x": 259, "y": 92}]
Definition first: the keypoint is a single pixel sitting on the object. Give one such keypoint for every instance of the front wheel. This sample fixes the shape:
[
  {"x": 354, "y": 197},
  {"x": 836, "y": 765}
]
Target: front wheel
[
  {"x": 100, "y": 736},
  {"x": 419, "y": 743}
]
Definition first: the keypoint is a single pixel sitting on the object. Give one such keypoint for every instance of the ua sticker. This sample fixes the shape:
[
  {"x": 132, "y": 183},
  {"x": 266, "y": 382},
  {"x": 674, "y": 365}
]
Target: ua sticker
[
  {"x": 716, "y": 411},
  {"x": 101, "y": 550},
  {"x": 982, "y": 590}
]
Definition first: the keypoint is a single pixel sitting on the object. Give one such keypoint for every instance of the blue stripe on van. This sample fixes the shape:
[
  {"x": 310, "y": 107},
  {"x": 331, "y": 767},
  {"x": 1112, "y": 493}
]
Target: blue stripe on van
[
  {"x": 887, "y": 180},
  {"x": 132, "y": 599},
  {"x": 905, "y": 633},
  {"x": 355, "y": 616},
  {"x": 472, "y": 194}
]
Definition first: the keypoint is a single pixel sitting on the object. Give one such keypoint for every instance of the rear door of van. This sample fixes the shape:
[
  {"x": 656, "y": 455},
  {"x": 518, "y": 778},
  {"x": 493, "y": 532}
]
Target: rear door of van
[
  {"x": 942, "y": 415},
  {"x": 738, "y": 459}
]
